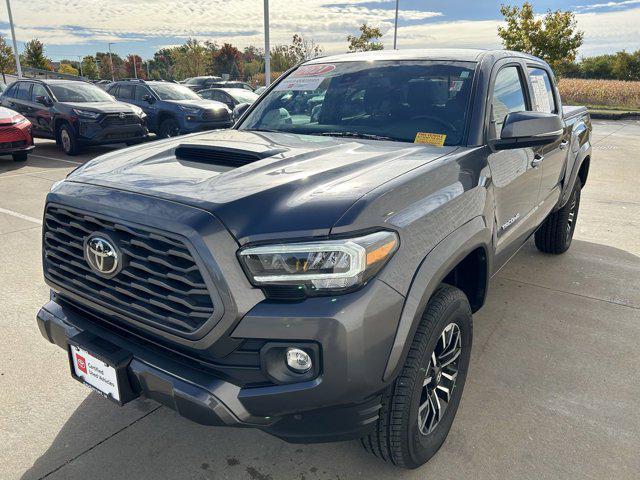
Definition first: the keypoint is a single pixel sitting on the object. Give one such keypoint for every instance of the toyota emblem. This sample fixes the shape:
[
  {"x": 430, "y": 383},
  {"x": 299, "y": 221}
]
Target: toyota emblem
[{"x": 101, "y": 255}]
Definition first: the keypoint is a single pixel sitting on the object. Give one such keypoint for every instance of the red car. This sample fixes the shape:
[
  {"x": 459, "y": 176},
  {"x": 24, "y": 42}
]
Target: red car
[{"x": 15, "y": 135}]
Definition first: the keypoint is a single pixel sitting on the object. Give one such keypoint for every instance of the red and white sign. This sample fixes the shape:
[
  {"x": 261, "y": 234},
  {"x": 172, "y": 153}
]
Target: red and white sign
[
  {"x": 94, "y": 372},
  {"x": 313, "y": 70}
]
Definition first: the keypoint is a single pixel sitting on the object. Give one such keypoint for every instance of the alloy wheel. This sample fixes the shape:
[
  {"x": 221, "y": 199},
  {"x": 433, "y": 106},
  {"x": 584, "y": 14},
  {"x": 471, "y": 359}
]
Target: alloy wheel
[
  {"x": 573, "y": 210},
  {"x": 440, "y": 379},
  {"x": 65, "y": 139}
]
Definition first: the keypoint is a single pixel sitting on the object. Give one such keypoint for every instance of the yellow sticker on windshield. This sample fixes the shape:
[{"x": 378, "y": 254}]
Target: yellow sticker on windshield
[{"x": 436, "y": 139}]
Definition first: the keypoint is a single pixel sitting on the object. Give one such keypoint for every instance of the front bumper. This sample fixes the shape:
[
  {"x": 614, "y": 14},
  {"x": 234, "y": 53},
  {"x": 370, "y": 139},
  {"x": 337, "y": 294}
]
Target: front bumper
[
  {"x": 95, "y": 134},
  {"x": 341, "y": 402}
]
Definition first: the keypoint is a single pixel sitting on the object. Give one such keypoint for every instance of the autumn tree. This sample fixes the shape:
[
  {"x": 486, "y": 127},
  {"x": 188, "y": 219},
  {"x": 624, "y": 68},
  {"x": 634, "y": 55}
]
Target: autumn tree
[
  {"x": 367, "y": 40},
  {"x": 303, "y": 49},
  {"x": 553, "y": 37},
  {"x": 7, "y": 64},
  {"x": 189, "y": 59},
  {"x": 68, "y": 69},
  {"x": 134, "y": 62},
  {"x": 229, "y": 60},
  {"x": 33, "y": 55}
]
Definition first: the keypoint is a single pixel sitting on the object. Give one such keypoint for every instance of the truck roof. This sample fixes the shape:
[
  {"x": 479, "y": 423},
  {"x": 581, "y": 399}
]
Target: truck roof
[{"x": 448, "y": 54}]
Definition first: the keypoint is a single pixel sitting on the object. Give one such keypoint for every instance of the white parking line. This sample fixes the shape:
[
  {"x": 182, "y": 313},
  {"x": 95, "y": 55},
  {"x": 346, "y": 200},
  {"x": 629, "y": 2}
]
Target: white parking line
[
  {"x": 20, "y": 215},
  {"x": 56, "y": 159}
]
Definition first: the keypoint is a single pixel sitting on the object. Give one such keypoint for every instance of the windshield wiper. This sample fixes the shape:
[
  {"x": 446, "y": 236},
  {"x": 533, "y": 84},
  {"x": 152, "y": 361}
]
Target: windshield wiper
[{"x": 367, "y": 136}]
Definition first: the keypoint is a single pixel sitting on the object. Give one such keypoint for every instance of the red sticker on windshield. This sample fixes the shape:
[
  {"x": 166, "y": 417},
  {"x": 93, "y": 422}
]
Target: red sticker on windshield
[{"x": 313, "y": 70}]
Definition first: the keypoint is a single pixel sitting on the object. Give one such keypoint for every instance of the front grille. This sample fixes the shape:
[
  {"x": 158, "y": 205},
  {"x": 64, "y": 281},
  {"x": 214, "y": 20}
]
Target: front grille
[
  {"x": 159, "y": 284},
  {"x": 213, "y": 115},
  {"x": 114, "y": 120},
  {"x": 8, "y": 145}
]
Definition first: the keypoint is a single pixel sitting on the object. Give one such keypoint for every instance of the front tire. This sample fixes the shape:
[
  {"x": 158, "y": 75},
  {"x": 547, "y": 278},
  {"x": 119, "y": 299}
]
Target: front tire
[
  {"x": 556, "y": 232},
  {"x": 419, "y": 407},
  {"x": 169, "y": 128},
  {"x": 68, "y": 140}
]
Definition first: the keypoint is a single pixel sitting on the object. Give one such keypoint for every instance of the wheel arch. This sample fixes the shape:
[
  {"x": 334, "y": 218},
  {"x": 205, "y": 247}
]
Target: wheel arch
[{"x": 465, "y": 250}]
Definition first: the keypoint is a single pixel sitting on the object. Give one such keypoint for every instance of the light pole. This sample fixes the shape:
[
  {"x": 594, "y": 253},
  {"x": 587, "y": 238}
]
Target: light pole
[
  {"x": 113, "y": 78},
  {"x": 135, "y": 70},
  {"x": 15, "y": 44},
  {"x": 267, "y": 49},
  {"x": 80, "y": 63},
  {"x": 395, "y": 29}
]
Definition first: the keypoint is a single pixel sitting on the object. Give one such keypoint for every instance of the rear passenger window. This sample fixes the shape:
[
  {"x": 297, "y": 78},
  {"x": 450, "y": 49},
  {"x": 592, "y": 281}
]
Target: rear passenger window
[
  {"x": 543, "y": 100},
  {"x": 508, "y": 96},
  {"x": 125, "y": 92},
  {"x": 24, "y": 91},
  {"x": 11, "y": 91}
]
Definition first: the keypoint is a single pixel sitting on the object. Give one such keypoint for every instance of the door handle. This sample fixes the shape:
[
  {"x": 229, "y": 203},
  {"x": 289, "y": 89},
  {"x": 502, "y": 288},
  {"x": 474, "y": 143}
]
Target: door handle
[
  {"x": 537, "y": 160},
  {"x": 564, "y": 144}
]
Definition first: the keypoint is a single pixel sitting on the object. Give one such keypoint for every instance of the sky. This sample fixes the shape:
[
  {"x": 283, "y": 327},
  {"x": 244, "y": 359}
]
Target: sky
[{"x": 71, "y": 28}]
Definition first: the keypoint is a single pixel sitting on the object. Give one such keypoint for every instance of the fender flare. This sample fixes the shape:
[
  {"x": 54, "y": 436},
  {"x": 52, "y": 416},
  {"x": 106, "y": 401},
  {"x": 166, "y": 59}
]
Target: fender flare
[
  {"x": 430, "y": 273},
  {"x": 582, "y": 153}
]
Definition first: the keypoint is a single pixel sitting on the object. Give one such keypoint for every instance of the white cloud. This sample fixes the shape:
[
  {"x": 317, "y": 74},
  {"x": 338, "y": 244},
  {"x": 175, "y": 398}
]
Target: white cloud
[
  {"x": 328, "y": 22},
  {"x": 619, "y": 4}
]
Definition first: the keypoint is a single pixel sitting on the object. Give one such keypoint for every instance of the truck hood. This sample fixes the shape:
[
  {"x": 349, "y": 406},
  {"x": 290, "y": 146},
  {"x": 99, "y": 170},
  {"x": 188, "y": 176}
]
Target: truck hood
[{"x": 301, "y": 187}]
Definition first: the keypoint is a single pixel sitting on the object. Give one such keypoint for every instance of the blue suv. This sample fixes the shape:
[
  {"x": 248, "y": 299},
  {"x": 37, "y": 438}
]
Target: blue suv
[{"x": 172, "y": 109}]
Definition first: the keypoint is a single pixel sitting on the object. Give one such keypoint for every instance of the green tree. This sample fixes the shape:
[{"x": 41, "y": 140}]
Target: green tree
[
  {"x": 104, "y": 59},
  {"x": 189, "y": 59},
  {"x": 625, "y": 66},
  {"x": 7, "y": 62},
  {"x": 367, "y": 40},
  {"x": 303, "y": 50},
  {"x": 33, "y": 55},
  {"x": 282, "y": 59},
  {"x": 555, "y": 37},
  {"x": 89, "y": 68},
  {"x": 67, "y": 69}
]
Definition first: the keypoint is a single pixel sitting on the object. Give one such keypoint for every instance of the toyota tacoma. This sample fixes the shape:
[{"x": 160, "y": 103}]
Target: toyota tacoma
[{"x": 312, "y": 272}]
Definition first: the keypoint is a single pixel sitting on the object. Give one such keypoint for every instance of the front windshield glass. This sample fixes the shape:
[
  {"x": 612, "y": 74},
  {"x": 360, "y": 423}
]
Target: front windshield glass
[
  {"x": 171, "y": 91},
  {"x": 243, "y": 96},
  {"x": 79, "y": 92},
  {"x": 405, "y": 101}
]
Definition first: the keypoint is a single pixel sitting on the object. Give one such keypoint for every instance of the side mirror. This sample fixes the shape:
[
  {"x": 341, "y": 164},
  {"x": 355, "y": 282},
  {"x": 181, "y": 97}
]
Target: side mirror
[
  {"x": 148, "y": 98},
  {"x": 44, "y": 100},
  {"x": 239, "y": 110},
  {"x": 529, "y": 129}
]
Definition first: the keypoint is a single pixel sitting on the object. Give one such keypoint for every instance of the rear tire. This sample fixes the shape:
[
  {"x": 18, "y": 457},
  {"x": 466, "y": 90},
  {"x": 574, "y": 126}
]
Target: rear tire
[
  {"x": 555, "y": 234},
  {"x": 169, "y": 128},
  {"x": 411, "y": 428},
  {"x": 68, "y": 141},
  {"x": 20, "y": 156}
]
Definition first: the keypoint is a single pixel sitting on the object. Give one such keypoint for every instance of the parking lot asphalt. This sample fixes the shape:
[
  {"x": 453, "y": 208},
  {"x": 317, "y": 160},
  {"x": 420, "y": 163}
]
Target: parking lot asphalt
[{"x": 553, "y": 389}]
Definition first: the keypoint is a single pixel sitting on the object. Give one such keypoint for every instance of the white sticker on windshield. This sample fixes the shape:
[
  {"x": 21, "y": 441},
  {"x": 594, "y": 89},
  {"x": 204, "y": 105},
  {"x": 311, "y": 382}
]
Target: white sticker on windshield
[{"x": 299, "y": 83}]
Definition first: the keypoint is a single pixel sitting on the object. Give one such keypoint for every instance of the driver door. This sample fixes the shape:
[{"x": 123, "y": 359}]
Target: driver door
[{"x": 515, "y": 173}]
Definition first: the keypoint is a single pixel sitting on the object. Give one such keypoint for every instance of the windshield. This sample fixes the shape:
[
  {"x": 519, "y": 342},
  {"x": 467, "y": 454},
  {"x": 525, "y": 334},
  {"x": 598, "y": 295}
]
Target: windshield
[
  {"x": 243, "y": 96},
  {"x": 408, "y": 101},
  {"x": 171, "y": 91},
  {"x": 79, "y": 92}
]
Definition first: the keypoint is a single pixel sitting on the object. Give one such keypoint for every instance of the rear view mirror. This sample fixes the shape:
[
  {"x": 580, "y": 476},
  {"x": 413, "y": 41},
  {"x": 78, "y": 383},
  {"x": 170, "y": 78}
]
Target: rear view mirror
[
  {"x": 44, "y": 100},
  {"x": 239, "y": 110},
  {"x": 529, "y": 129}
]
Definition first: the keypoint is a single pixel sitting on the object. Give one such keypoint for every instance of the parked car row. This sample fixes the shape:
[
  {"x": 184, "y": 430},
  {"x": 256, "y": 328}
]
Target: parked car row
[{"x": 76, "y": 114}]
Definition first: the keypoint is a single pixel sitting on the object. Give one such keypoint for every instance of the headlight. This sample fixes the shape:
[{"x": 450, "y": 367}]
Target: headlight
[
  {"x": 18, "y": 119},
  {"x": 192, "y": 110},
  {"x": 138, "y": 111},
  {"x": 86, "y": 113},
  {"x": 323, "y": 266}
]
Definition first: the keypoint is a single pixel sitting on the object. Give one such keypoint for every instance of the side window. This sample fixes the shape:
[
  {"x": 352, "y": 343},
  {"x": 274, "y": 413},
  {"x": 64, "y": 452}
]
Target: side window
[
  {"x": 508, "y": 96},
  {"x": 11, "y": 91},
  {"x": 24, "y": 91},
  {"x": 141, "y": 92},
  {"x": 543, "y": 100},
  {"x": 38, "y": 91},
  {"x": 125, "y": 91}
]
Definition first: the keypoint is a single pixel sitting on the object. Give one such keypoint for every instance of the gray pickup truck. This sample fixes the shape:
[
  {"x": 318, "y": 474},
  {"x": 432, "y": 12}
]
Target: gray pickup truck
[{"x": 312, "y": 272}]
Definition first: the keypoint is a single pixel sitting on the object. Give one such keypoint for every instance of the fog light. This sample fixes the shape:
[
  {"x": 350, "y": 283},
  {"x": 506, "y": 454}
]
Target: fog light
[{"x": 298, "y": 360}]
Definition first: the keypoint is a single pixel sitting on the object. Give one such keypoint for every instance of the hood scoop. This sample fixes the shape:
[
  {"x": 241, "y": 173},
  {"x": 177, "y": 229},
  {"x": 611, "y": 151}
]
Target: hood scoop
[{"x": 223, "y": 156}]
